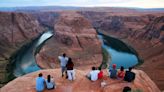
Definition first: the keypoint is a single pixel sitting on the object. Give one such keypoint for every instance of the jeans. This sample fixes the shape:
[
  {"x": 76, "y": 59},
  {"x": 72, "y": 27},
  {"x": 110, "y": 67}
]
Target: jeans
[{"x": 63, "y": 69}]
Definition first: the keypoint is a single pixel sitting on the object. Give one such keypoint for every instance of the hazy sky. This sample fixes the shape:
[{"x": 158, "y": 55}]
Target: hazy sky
[{"x": 105, "y": 3}]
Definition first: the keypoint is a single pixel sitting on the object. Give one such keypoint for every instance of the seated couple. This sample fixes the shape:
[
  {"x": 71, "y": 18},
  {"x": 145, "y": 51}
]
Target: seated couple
[
  {"x": 41, "y": 82},
  {"x": 95, "y": 74}
]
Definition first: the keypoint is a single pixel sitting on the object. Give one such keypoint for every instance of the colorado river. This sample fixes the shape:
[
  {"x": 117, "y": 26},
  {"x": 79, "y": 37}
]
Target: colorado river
[
  {"x": 25, "y": 61},
  {"x": 118, "y": 56}
]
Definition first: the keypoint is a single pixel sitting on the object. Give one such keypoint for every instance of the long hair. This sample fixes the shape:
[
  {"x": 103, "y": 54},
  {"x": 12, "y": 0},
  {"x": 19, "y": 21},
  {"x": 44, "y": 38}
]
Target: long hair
[
  {"x": 49, "y": 78},
  {"x": 122, "y": 68},
  {"x": 70, "y": 61}
]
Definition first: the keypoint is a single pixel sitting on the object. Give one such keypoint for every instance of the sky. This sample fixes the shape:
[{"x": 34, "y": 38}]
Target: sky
[{"x": 85, "y": 3}]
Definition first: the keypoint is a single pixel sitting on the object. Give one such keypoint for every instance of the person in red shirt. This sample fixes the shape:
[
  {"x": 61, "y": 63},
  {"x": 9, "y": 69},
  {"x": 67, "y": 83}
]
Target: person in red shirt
[
  {"x": 121, "y": 73},
  {"x": 100, "y": 74}
]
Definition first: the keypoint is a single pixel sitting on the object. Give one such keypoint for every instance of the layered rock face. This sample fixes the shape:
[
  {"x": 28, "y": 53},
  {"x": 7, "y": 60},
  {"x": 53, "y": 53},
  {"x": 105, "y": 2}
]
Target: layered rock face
[
  {"x": 47, "y": 19},
  {"x": 75, "y": 36},
  {"x": 142, "y": 30},
  {"x": 16, "y": 29},
  {"x": 27, "y": 82}
]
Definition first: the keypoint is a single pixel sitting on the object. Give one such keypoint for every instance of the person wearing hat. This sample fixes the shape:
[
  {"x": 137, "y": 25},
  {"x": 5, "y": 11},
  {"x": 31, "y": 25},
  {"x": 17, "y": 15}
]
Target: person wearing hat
[{"x": 113, "y": 72}]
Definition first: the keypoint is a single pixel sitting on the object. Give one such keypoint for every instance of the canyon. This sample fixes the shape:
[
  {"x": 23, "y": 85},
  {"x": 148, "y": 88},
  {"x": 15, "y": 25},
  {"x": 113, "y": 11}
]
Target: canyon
[
  {"x": 24, "y": 30},
  {"x": 141, "y": 30},
  {"x": 76, "y": 37},
  {"x": 16, "y": 30},
  {"x": 75, "y": 34}
]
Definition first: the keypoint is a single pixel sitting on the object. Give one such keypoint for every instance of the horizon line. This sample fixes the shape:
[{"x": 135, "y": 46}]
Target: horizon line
[{"x": 81, "y": 6}]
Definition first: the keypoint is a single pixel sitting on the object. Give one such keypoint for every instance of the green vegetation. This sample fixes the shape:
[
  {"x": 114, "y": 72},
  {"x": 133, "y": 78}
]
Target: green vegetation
[{"x": 106, "y": 58}]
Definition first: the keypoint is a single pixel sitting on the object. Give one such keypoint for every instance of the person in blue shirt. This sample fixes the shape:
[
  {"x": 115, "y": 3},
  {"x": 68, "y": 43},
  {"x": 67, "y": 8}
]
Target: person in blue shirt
[
  {"x": 113, "y": 71},
  {"x": 40, "y": 83},
  {"x": 50, "y": 84}
]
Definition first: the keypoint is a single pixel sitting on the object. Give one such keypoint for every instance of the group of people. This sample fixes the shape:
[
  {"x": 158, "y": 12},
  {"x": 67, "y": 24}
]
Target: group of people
[
  {"x": 67, "y": 67},
  {"x": 97, "y": 73},
  {"x": 128, "y": 76}
]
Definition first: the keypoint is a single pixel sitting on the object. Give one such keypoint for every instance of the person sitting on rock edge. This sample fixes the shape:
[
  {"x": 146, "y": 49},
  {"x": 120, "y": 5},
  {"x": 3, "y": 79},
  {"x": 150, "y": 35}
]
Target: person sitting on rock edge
[
  {"x": 113, "y": 72},
  {"x": 40, "y": 82},
  {"x": 129, "y": 75},
  {"x": 121, "y": 73},
  {"x": 70, "y": 70},
  {"x": 50, "y": 84},
  {"x": 93, "y": 75},
  {"x": 100, "y": 74},
  {"x": 63, "y": 61}
]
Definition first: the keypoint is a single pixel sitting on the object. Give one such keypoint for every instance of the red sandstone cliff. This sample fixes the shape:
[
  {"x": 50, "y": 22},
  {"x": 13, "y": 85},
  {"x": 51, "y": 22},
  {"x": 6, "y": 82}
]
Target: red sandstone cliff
[
  {"x": 75, "y": 36},
  {"x": 16, "y": 29},
  {"x": 143, "y": 31},
  {"x": 26, "y": 83}
]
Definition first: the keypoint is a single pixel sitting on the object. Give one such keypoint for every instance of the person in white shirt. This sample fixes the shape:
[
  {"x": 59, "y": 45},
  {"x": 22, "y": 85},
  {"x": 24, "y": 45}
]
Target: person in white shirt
[
  {"x": 63, "y": 62},
  {"x": 93, "y": 75},
  {"x": 50, "y": 84}
]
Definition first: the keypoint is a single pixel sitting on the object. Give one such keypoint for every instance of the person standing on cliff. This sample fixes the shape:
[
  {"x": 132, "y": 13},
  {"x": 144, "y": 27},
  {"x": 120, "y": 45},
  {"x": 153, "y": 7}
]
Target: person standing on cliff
[
  {"x": 70, "y": 70},
  {"x": 63, "y": 62}
]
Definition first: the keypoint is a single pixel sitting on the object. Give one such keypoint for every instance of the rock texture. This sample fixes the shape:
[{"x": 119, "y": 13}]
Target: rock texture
[
  {"x": 16, "y": 29},
  {"x": 75, "y": 36},
  {"x": 142, "y": 30},
  {"x": 46, "y": 18},
  {"x": 26, "y": 83}
]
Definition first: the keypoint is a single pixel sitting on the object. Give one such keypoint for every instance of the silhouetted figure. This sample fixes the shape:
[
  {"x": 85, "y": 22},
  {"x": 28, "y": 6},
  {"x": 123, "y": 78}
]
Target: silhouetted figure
[
  {"x": 126, "y": 89},
  {"x": 63, "y": 61},
  {"x": 129, "y": 75},
  {"x": 70, "y": 70},
  {"x": 121, "y": 73},
  {"x": 50, "y": 84},
  {"x": 40, "y": 83},
  {"x": 113, "y": 71}
]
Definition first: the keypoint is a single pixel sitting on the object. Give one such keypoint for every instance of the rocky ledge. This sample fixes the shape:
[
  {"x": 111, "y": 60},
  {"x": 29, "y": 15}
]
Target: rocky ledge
[{"x": 26, "y": 83}]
